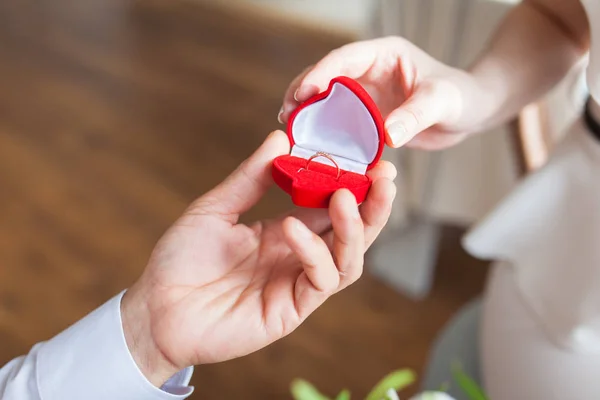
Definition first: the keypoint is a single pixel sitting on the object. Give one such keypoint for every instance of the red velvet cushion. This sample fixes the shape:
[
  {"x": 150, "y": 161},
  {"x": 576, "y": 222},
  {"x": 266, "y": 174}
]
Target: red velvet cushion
[
  {"x": 344, "y": 123},
  {"x": 313, "y": 187}
]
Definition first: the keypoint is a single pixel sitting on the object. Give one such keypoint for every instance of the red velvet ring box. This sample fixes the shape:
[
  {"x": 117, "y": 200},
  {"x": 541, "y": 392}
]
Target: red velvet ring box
[{"x": 342, "y": 122}]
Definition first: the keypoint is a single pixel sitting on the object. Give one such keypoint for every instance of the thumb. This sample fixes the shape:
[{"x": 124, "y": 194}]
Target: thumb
[
  {"x": 431, "y": 103},
  {"x": 247, "y": 184}
]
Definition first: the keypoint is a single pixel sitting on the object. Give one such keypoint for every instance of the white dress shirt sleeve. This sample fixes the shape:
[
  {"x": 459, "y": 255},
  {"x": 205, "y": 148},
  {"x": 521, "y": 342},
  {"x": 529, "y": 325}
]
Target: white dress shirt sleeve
[{"x": 90, "y": 360}]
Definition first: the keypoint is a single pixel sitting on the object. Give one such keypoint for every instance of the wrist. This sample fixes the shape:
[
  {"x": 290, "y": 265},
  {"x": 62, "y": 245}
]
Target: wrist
[
  {"x": 137, "y": 328},
  {"x": 482, "y": 99},
  {"x": 490, "y": 92}
]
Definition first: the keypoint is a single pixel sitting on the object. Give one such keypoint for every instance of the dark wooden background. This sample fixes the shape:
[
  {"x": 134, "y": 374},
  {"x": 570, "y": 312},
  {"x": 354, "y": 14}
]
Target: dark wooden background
[{"x": 114, "y": 115}]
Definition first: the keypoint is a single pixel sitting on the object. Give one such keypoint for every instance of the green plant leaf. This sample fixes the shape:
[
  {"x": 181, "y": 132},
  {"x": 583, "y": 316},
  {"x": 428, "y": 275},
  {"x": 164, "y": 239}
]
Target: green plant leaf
[
  {"x": 396, "y": 380},
  {"x": 468, "y": 385},
  {"x": 344, "y": 395},
  {"x": 304, "y": 390}
]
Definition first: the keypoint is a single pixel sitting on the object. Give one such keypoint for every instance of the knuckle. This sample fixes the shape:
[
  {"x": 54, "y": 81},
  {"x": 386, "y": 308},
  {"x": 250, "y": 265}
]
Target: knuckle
[
  {"x": 437, "y": 87},
  {"x": 335, "y": 52},
  {"x": 201, "y": 206},
  {"x": 331, "y": 285},
  {"x": 396, "y": 41},
  {"x": 353, "y": 270},
  {"x": 417, "y": 113},
  {"x": 354, "y": 273}
]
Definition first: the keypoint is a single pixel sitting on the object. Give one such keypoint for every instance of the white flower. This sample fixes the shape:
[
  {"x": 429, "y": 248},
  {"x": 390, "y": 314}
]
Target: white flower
[
  {"x": 432, "y": 396},
  {"x": 392, "y": 395}
]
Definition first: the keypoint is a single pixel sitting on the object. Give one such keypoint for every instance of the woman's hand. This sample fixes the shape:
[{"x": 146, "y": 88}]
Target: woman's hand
[
  {"x": 425, "y": 103},
  {"x": 214, "y": 289}
]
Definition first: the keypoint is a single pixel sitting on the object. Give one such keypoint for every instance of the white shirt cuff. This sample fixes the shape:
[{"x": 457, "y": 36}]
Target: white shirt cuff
[{"x": 91, "y": 360}]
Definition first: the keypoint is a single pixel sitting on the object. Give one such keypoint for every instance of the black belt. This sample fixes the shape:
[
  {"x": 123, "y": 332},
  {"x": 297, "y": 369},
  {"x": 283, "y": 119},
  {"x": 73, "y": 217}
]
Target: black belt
[{"x": 590, "y": 121}]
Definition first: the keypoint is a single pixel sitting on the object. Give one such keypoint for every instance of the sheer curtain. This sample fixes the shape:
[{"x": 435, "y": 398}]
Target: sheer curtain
[
  {"x": 459, "y": 185},
  {"x": 455, "y": 186}
]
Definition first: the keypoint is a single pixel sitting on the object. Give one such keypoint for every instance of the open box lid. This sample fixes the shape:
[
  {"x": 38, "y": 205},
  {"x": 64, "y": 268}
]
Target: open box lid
[{"x": 342, "y": 121}]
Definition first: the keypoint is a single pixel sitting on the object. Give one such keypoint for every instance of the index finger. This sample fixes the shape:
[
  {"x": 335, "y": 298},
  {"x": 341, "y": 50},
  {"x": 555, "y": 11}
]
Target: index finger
[
  {"x": 352, "y": 60},
  {"x": 289, "y": 101}
]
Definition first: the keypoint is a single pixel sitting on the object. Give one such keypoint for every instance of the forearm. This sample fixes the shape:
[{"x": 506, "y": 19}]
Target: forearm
[{"x": 533, "y": 49}]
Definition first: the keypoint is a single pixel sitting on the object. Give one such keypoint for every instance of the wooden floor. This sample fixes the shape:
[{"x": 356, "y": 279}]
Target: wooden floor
[{"x": 114, "y": 115}]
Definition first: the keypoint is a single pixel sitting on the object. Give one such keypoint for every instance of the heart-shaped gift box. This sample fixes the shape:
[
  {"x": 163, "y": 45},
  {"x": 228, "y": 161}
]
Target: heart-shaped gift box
[{"x": 335, "y": 137}]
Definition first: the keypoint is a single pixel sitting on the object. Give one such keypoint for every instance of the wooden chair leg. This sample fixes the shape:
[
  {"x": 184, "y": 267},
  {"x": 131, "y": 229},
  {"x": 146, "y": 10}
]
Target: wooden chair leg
[{"x": 530, "y": 138}]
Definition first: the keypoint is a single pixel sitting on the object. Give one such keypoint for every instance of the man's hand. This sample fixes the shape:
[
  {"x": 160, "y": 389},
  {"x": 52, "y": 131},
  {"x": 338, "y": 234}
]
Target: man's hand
[{"x": 214, "y": 289}]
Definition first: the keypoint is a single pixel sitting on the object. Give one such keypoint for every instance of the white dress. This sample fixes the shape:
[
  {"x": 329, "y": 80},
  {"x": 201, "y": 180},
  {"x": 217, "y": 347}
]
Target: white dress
[
  {"x": 541, "y": 313},
  {"x": 548, "y": 229}
]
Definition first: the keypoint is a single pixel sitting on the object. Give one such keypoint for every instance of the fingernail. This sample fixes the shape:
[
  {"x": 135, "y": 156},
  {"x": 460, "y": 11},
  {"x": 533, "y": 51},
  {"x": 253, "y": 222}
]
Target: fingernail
[
  {"x": 354, "y": 213},
  {"x": 279, "y": 115},
  {"x": 302, "y": 230},
  {"x": 398, "y": 134},
  {"x": 296, "y": 95}
]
